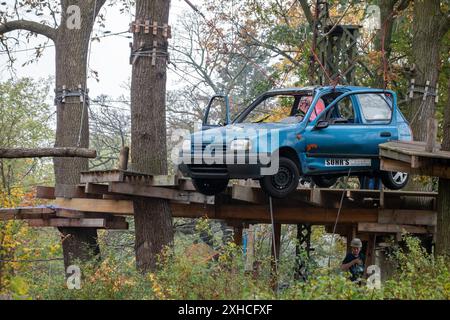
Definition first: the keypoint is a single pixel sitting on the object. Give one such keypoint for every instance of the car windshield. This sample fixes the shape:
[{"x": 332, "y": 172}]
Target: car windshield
[{"x": 281, "y": 108}]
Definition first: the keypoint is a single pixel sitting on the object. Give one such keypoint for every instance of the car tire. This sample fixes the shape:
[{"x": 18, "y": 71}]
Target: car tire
[
  {"x": 324, "y": 181},
  {"x": 394, "y": 180},
  {"x": 210, "y": 187},
  {"x": 284, "y": 181}
]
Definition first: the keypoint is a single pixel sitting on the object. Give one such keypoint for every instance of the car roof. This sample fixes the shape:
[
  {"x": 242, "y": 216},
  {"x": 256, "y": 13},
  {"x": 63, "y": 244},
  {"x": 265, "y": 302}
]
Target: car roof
[{"x": 318, "y": 88}]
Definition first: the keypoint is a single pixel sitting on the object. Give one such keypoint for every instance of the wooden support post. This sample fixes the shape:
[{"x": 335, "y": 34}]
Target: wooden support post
[
  {"x": 123, "y": 158},
  {"x": 432, "y": 126},
  {"x": 250, "y": 251},
  {"x": 237, "y": 234},
  {"x": 275, "y": 249},
  {"x": 370, "y": 250}
]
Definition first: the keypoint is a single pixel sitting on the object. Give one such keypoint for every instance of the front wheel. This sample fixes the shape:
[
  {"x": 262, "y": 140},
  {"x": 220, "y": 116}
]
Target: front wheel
[
  {"x": 284, "y": 181},
  {"x": 394, "y": 180},
  {"x": 210, "y": 187},
  {"x": 324, "y": 181}
]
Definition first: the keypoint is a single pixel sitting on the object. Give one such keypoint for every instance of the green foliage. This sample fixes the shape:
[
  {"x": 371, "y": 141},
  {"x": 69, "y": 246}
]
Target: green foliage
[
  {"x": 24, "y": 123},
  {"x": 420, "y": 275}
]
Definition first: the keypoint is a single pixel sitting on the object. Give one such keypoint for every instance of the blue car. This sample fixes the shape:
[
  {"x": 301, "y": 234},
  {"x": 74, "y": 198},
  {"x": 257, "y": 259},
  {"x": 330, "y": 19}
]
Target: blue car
[{"x": 318, "y": 132}]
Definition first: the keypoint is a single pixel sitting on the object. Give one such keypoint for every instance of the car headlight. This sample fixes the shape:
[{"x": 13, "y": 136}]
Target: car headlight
[
  {"x": 240, "y": 145},
  {"x": 186, "y": 147}
]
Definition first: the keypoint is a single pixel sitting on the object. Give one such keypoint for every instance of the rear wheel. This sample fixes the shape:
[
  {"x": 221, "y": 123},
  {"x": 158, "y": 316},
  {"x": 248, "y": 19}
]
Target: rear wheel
[
  {"x": 284, "y": 181},
  {"x": 324, "y": 181},
  {"x": 394, "y": 180},
  {"x": 210, "y": 187}
]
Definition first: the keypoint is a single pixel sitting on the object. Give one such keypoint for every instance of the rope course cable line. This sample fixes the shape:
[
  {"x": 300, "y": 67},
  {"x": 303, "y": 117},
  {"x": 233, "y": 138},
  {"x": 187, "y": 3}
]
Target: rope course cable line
[
  {"x": 337, "y": 216},
  {"x": 52, "y": 45},
  {"x": 210, "y": 24}
]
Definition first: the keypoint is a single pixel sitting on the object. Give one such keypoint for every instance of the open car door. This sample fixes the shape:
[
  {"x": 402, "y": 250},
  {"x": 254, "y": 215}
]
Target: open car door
[{"x": 217, "y": 112}]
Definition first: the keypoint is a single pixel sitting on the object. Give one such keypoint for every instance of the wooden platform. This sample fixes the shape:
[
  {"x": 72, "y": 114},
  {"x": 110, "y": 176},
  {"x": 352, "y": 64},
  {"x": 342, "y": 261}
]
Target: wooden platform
[
  {"x": 105, "y": 198},
  {"x": 413, "y": 158}
]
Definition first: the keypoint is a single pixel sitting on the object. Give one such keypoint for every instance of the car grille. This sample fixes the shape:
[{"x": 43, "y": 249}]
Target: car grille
[{"x": 210, "y": 169}]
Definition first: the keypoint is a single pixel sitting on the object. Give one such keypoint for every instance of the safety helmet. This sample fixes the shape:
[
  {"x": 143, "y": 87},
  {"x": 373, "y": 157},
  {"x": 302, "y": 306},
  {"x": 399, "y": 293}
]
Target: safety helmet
[{"x": 356, "y": 243}]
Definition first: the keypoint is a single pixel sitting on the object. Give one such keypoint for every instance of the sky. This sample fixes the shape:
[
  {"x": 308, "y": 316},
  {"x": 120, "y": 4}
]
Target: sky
[{"x": 109, "y": 57}]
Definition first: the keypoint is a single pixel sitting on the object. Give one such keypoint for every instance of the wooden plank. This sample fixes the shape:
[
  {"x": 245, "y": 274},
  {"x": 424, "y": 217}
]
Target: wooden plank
[
  {"x": 164, "y": 181},
  {"x": 101, "y": 176},
  {"x": 157, "y": 192},
  {"x": 415, "y": 148},
  {"x": 248, "y": 194},
  {"x": 64, "y": 222},
  {"x": 71, "y": 191},
  {"x": 260, "y": 213},
  {"x": 73, "y": 214},
  {"x": 436, "y": 170},
  {"x": 99, "y": 223},
  {"x": 390, "y": 228},
  {"x": 26, "y": 213},
  {"x": 43, "y": 192},
  {"x": 122, "y": 207},
  {"x": 388, "y": 153},
  {"x": 95, "y": 188},
  {"x": 411, "y": 217}
]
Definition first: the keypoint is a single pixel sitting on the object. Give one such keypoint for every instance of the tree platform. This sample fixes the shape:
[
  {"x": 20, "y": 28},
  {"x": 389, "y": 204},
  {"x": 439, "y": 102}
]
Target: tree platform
[{"x": 412, "y": 157}]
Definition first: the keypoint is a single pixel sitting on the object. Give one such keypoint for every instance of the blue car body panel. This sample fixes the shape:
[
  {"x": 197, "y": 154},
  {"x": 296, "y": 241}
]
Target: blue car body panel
[{"x": 321, "y": 151}]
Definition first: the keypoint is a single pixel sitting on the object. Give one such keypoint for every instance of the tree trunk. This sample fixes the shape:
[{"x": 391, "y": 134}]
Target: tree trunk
[
  {"x": 427, "y": 36},
  {"x": 153, "y": 219},
  {"x": 384, "y": 36},
  {"x": 72, "y": 126},
  {"x": 78, "y": 245},
  {"x": 71, "y": 60},
  {"x": 443, "y": 216}
]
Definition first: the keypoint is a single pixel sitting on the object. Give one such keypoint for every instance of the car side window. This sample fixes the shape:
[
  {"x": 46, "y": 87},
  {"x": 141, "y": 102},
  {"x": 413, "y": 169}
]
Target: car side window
[
  {"x": 343, "y": 112},
  {"x": 375, "y": 108}
]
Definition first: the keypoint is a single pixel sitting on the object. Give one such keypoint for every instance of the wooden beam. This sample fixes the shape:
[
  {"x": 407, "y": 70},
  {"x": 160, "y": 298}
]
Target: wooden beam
[
  {"x": 436, "y": 170},
  {"x": 390, "y": 228},
  {"x": 47, "y": 152},
  {"x": 157, "y": 192},
  {"x": 123, "y": 158},
  {"x": 248, "y": 194},
  {"x": 121, "y": 207},
  {"x": 26, "y": 213},
  {"x": 412, "y": 217},
  {"x": 237, "y": 235},
  {"x": 102, "y": 176},
  {"x": 96, "y": 188},
  {"x": 45, "y": 192},
  {"x": 78, "y": 223},
  {"x": 260, "y": 213}
]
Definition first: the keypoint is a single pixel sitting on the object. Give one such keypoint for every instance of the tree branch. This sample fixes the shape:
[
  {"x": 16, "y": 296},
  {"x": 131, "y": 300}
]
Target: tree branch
[
  {"x": 307, "y": 12},
  {"x": 31, "y": 26}
]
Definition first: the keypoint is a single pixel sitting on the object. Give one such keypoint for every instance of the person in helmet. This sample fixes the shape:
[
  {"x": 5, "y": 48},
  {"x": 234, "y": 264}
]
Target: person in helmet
[{"x": 354, "y": 261}]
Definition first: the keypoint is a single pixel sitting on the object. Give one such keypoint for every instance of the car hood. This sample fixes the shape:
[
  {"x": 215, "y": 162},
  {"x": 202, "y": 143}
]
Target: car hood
[{"x": 238, "y": 131}]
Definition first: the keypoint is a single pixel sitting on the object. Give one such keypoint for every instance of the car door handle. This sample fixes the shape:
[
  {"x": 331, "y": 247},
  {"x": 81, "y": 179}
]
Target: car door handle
[{"x": 385, "y": 134}]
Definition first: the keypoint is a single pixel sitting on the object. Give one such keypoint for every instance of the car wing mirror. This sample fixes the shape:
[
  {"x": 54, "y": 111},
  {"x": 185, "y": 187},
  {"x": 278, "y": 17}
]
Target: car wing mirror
[{"x": 322, "y": 124}]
